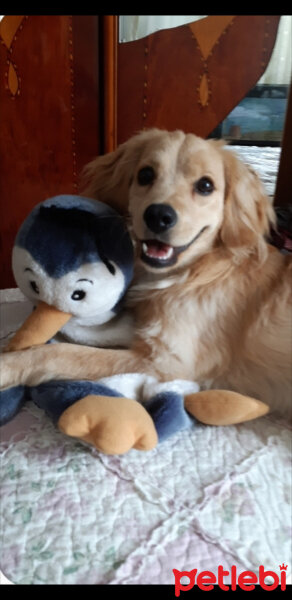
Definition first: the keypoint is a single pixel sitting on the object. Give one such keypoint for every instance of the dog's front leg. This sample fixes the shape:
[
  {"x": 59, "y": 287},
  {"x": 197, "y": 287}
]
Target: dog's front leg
[{"x": 68, "y": 361}]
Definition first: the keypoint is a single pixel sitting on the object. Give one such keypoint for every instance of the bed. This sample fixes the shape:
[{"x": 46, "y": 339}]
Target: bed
[{"x": 206, "y": 497}]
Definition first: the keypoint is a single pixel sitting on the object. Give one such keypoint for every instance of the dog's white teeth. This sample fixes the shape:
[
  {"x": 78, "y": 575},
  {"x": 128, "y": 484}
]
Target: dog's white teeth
[
  {"x": 157, "y": 250},
  {"x": 167, "y": 255}
]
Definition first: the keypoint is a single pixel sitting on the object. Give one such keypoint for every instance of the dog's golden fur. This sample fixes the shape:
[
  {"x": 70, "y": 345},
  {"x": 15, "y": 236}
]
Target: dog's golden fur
[{"x": 222, "y": 314}]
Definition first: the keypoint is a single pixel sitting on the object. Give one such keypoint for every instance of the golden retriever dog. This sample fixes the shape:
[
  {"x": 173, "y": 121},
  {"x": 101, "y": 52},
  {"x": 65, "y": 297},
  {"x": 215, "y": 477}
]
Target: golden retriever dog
[{"x": 211, "y": 299}]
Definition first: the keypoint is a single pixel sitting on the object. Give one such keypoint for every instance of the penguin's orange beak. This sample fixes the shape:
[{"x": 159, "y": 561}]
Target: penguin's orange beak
[{"x": 41, "y": 325}]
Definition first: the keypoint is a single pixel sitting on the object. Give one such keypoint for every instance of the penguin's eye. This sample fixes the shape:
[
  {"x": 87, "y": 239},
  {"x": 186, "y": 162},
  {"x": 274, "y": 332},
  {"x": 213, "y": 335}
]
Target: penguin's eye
[
  {"x": 78, "y": 295},
  {"x": 108, "y": 263},
  {"x": 34, "y": 287},
  {"x": 110, "y": 267}
]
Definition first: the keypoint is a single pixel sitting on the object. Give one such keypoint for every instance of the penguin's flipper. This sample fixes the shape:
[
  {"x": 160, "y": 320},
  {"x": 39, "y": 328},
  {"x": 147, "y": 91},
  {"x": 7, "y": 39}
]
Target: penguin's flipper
[{"x": 224, "y": 407}]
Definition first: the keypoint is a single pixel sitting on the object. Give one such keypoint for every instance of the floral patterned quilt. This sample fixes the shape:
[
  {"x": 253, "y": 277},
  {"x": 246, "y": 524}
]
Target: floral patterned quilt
[{"x": 206, "y": 497}]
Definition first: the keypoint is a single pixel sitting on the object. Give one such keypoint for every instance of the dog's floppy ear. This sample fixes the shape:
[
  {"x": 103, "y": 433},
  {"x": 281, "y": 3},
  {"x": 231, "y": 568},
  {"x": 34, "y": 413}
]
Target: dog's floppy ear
[
  {"x": 108, "y": 177},
  {"x": 248, "y": 213}
]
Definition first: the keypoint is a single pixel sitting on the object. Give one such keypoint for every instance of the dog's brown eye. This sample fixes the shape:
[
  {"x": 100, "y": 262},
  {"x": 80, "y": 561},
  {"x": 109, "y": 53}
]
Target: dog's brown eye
[
  {"x": 204, "y": 186},
  {"x": 146, "y": 175}
]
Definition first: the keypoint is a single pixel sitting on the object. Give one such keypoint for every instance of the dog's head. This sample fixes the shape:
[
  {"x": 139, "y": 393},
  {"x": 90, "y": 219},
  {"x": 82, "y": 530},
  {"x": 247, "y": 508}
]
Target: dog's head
[{"x": 185, "y": 195}]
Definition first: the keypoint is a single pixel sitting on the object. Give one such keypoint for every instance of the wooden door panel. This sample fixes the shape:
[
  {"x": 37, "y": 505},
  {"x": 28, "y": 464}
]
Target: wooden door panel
[
  {"x": 49, "y": 114},
  {"x": 191, "y": 77}
]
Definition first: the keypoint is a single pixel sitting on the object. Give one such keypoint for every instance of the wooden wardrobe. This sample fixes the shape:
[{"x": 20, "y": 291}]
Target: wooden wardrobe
[{"x": 70, "y": 91}]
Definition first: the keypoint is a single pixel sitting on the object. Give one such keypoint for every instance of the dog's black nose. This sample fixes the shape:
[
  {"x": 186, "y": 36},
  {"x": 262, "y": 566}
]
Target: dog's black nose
[{"x": 160, "y": 217}]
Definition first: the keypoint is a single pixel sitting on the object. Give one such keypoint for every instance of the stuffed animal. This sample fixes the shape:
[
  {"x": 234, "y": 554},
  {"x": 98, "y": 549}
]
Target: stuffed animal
[{"x": 73, "y": 257}]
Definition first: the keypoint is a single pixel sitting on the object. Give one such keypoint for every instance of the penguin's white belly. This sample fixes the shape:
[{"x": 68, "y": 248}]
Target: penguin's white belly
[{"x": 116, "y": 332}]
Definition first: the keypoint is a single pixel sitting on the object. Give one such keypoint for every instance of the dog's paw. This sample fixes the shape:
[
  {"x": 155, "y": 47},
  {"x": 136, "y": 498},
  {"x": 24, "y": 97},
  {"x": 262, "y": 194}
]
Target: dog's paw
[{"x": 112, "y": 425}]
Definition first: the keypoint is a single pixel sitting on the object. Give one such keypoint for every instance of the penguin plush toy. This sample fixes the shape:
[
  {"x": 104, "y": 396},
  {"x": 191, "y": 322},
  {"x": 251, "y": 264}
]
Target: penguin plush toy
[{"x": 73, "y": 258}]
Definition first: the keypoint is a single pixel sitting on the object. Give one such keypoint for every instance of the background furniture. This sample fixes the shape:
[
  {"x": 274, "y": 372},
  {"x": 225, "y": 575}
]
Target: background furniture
[{"x": 70, "y": 91}]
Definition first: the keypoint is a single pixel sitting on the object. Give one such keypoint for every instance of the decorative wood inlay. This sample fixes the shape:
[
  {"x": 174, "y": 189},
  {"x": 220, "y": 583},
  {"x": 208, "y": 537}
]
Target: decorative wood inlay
[
  {"x": 204, "y": 90},
  {"x": 191, "y": 84},
  {"x": 10, "y": 26},
  {"x": 208, "y": 31},
  {"x": 12, "y": 79},
  {"x": 207, "y": 34}
]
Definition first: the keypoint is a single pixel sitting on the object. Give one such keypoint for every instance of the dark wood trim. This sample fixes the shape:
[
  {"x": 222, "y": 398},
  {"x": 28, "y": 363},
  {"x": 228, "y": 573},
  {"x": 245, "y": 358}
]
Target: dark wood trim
[
  {"x": 110, "y": 56},
  {"x": 85, "y": 90},
  {"x": 284, "y": 181}
]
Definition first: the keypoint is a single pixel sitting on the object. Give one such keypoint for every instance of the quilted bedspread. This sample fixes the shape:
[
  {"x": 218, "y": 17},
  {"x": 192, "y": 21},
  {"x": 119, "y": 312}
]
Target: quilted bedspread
[{"x": 208, "y": 496}]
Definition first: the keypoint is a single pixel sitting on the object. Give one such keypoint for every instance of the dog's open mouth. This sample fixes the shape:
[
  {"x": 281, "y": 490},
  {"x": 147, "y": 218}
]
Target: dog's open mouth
[{"x": 159, "y": 254}]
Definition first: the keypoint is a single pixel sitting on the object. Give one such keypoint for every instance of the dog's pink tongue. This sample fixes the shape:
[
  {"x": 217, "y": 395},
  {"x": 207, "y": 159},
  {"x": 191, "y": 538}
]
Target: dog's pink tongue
[{"x": 157, "y": 249}]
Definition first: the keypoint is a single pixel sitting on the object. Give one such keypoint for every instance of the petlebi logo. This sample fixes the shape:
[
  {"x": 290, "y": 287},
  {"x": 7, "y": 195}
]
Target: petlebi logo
[{"x": 246, "y": 580}]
